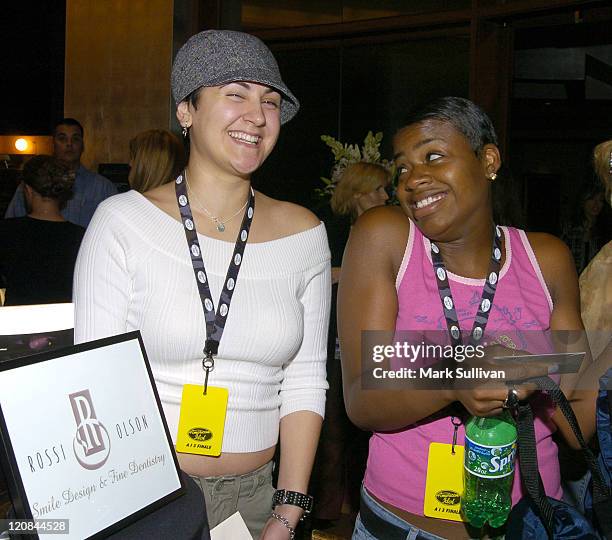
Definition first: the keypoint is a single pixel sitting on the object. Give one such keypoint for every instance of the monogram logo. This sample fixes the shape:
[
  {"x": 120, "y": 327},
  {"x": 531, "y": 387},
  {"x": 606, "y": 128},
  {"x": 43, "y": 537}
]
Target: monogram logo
[{"x": 91, "y": 442}]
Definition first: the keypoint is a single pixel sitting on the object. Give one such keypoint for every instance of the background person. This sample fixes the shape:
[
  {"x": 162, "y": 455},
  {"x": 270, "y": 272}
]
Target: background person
[
  {"x": 362, "y": 186},
  {"x": 590, "y": 229},
  {"x": 596, "y": 280},
  {"x": 596, "y": 312},
  {"x": 343, "y": 448},
  {"x": 446, "y": 156},
  {"x": 156, "y": 157},
  {"x": 39, "y": 250},
  {"x": 89, "y": 189},
  {"x": 136, "y": 271}
]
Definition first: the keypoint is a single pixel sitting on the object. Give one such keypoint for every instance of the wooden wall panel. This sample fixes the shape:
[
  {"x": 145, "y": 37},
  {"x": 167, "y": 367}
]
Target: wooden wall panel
[
  {"x": 491, "y": 62},
  {"x": 117, "y": 80}
]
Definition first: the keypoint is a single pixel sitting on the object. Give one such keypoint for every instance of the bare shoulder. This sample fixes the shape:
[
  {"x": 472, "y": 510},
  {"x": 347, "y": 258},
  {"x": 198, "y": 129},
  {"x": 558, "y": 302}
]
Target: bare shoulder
[
  {"x": 161, "y": 194},
  {"x": 381, "y": 234},
  {"x": 164, "y": 197},
  {"x": 383, "y": 224},
  {"x": 286, "y": 218},
  {"x": 556, "y": 262},
  {"x": 551, "y": 252}
]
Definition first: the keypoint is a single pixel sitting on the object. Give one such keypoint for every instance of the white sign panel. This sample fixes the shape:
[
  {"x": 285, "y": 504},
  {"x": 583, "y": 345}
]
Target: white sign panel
[
  {"x": 33, "y": 319},
  {"x": 87, "y": 435}
]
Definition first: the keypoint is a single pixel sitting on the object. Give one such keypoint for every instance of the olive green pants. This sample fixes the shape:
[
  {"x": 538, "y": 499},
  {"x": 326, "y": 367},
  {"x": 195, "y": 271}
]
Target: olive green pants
[{"x": 250, "y": 494}]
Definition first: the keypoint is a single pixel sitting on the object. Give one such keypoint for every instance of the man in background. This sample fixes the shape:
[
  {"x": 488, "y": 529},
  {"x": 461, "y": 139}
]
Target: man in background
[{"x": 90, "y": 189}]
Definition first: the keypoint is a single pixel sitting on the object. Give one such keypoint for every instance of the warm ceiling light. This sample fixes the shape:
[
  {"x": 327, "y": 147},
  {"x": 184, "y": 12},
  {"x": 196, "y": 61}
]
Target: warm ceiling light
[{"x": 21, "y": 145}]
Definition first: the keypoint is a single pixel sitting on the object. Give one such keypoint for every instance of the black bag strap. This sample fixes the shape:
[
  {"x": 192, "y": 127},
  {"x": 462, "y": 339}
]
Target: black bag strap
[
  {"x": 530, "y": 473},
  {"x": 602, "y": 495}
]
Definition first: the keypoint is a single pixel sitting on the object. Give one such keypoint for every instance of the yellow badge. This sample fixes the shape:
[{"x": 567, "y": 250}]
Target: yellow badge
[
  {"x": 444, "y": 485},
  {"x": 202, "y": 420}
]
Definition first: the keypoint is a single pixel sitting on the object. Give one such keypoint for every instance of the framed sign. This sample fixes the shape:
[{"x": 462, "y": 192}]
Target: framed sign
[{"x": 84, "y": 438}]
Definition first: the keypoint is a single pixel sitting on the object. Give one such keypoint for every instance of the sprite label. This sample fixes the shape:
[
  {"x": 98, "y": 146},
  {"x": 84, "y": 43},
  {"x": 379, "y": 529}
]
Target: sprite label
[{"x": 489, "y": 461}]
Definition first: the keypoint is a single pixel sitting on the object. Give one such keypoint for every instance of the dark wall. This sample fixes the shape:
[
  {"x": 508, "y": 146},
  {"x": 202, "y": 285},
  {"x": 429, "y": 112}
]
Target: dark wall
[
  {"x": 346, "y": 92},
  {"x": 31, "y": 66},
  {"x": 299, "y": 158}
]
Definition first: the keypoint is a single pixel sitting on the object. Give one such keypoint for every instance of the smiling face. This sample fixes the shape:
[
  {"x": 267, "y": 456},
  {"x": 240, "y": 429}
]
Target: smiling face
[
  {"x": 443, "y": 185},
  {"x": 234, "y": 127}
]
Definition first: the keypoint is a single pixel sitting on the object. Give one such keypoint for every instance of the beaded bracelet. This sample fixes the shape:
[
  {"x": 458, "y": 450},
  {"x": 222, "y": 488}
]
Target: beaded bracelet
[{"x": 286, "y": 523}]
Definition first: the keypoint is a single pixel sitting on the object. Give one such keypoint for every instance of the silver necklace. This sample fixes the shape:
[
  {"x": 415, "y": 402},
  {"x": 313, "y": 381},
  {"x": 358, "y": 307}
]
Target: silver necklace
[{"x": 219, "y": 223}]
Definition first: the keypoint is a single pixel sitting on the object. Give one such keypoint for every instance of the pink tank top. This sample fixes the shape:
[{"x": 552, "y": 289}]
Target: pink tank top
[{"x": 397, "y": 463}]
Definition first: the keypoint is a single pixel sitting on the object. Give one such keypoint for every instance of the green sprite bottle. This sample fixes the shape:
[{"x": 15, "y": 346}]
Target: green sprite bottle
[{"x": 490, "y": 451}]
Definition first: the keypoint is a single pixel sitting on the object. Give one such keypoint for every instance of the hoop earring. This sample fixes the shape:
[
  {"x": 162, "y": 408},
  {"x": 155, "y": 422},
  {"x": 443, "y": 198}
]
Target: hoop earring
[
  {"x": 493, "y": 176},
  {"x": 185, "y": 131}
]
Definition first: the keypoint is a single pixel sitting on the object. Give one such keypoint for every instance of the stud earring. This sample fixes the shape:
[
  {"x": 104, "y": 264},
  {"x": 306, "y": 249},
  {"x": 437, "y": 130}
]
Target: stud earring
[
  {"x": 185, "y": 131},
  {"x": 493, "y": 176}
]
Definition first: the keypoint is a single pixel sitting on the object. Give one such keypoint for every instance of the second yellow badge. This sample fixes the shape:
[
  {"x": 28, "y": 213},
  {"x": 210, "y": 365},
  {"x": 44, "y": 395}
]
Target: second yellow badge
[
  {"x": 444, "y": 485},
  {"x": 202, "y": 420}
]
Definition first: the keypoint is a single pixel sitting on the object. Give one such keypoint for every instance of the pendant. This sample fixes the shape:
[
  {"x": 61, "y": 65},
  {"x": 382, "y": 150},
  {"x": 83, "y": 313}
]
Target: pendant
[{"x": 220, "y": 226}]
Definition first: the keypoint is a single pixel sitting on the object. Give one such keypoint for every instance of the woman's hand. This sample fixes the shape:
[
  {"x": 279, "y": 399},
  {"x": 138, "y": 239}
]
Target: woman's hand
[
  {"x": 486, "y": 401},
  {"x": 487, "y": 397},
  {"x": 275, "y": 529}
]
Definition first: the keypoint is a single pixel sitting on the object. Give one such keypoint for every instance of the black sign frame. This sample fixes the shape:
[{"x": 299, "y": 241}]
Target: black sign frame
[{"x": 8, "y": 460}]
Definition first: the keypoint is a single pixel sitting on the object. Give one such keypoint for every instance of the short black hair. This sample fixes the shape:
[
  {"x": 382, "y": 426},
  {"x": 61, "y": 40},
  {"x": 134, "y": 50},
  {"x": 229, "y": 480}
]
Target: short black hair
[
  {"x": 68, "y": 122},
  {"x": 464, "y": 115},
  {"x": 194, "y": 97}
]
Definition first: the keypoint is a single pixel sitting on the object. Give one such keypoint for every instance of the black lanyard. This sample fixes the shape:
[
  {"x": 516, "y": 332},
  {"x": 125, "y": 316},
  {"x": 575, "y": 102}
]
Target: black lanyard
[
  {"x": 486, "y": 300},
  {"x": 215, "y": 320},
  {"x": 484, "y": 307}
]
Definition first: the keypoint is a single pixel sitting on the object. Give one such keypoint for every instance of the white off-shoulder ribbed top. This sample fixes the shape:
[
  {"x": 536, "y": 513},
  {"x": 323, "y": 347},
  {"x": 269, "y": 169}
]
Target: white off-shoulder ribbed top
[{"x": 134, "y": 272}]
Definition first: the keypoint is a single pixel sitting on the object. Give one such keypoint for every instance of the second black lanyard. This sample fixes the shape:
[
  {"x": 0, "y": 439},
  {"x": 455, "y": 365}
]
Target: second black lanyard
[
  {"x": 484, "y": 307},
  {"x": 486, "y": 300}
]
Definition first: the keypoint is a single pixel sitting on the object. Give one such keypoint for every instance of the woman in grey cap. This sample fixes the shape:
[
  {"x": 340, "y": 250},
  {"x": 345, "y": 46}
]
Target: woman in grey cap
[{"x": 251, "y": 288}]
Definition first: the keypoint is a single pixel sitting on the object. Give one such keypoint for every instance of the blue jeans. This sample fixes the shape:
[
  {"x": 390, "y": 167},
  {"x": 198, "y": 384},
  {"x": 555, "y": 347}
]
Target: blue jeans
[
  {"x": 575, "y": 491},
  {"x": 412, "y": 532}
]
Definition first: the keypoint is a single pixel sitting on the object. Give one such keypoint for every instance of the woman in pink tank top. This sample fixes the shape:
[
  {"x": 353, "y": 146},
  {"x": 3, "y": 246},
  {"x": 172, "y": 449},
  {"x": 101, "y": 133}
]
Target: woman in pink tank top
[{"x": 440, "y": 265}]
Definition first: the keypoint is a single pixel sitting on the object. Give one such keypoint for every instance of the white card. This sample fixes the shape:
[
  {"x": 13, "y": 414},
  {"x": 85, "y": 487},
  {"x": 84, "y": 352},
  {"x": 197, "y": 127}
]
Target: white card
[{"x": 233, "y": 528}]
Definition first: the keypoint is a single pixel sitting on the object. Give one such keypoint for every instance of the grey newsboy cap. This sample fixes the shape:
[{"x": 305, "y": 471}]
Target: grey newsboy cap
[{"x": 216, "y": 57}]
